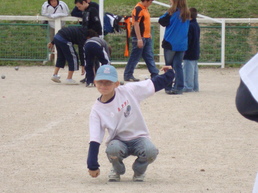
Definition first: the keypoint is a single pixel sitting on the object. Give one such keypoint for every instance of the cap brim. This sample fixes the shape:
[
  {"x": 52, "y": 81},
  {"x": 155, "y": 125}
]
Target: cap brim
[{"x": 106, "y": 77}]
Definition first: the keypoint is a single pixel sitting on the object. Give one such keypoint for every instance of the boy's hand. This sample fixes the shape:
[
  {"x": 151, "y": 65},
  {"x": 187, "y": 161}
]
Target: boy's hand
[
  {"x": 83, "y": 71},
  {"x": 165, "y": 68},
  {"x": 94, "y": 173},
  {"x": 50, "y": 45}
]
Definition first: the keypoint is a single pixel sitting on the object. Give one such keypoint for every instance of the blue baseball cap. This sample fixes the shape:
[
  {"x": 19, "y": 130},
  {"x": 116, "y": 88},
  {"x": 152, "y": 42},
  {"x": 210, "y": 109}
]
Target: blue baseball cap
[{"x": 106, "y": 72}]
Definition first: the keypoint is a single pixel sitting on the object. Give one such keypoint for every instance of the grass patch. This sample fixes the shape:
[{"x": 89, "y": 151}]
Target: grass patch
[{"x": 241, "y": 44}]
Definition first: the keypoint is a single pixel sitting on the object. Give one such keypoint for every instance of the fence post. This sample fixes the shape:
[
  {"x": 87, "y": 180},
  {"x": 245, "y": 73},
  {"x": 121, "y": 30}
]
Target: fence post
[
  {"x": 58, "y": 25},
  {"x": 223, "y": 37},
  {"x": 101, "y": 15},
  {"x": 161, "y": 51}
]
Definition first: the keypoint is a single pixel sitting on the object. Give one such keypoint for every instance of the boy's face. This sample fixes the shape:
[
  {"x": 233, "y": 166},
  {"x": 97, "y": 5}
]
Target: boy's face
[
  {"x": 147, "y": 3},
  {"x": 53, "y": 3},
  {"x": 106, "y": 87},
  {"x": 82, "y": 6}
]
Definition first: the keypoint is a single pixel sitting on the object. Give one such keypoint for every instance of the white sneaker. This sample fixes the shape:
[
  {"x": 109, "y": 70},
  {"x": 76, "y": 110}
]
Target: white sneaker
[
  {"x": 56, "y": 78},
  {"x": 71, "y": 82},
  {"x": 138, "y": 178},
  {"x": 113, "y": 176}
]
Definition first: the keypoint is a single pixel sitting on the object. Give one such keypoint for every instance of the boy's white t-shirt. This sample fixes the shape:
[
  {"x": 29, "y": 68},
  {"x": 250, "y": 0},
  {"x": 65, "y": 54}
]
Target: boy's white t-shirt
[
  {"x": 249, "y": 75},
  {"x": 122, "y": 116},
  {"x": 255, "y": 189}
]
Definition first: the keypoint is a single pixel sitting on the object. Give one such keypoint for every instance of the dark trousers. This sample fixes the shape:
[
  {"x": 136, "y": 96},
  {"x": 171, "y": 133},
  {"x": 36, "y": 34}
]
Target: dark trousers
[{"x": 66, "y": 52}]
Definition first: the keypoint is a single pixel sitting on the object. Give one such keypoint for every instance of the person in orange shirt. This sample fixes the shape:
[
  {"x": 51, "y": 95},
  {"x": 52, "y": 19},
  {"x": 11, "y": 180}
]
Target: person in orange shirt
[{"x": 141, "y": 41}]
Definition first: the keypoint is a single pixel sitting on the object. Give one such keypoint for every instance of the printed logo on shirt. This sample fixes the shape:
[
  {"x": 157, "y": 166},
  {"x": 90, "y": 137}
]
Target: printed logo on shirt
[
  {"x": 128, "y": 110},
  {"x": 123, "y": 105}
]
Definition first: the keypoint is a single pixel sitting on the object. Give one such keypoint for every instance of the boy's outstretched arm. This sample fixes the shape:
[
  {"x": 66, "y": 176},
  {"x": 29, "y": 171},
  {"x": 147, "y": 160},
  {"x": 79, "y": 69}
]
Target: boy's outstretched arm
[
  {"x": 161, "y": 81},
  {"x": 92, "y": 160}
]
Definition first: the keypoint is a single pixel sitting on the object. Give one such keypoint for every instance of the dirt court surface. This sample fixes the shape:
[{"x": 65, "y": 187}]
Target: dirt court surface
[{"x": 205, "y": 144}]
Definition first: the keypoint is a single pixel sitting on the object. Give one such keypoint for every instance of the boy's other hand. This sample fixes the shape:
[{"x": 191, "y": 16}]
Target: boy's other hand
[{"x": 94, "y": 173}]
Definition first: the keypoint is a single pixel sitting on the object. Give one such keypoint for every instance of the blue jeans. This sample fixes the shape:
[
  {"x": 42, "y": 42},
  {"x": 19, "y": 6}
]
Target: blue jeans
[
  {"x": 174, "y": 59},
  {"x": 142, "y": 147},
  {"x": 146, "y": 53},
  {"x": 190, "y": 69}
]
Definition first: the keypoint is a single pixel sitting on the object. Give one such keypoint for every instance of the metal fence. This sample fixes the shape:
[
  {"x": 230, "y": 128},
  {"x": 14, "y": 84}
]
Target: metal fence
[
  {"x": 241, "y": 43},
  {"x": 27, "y": 41}
]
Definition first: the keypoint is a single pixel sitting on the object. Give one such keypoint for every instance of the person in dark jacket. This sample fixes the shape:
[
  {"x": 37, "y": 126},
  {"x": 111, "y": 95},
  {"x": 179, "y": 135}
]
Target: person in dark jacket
[
  {"x": 95, "y": 49},
  {"x": 64, "y": 41},
  {"x": 78, "y": 13},
  {"x": 191, "y": 57},
  {"x": 89, "y": 14}
]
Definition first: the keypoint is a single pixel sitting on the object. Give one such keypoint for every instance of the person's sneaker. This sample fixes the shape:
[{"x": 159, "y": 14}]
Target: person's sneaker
[
  {"x": 113, "y": 176},
  {"x": 174, "y": 91},
  {"x": 83, "y": 80},
  {"x": 90, "y": 85},
  {"x": 56, "y": 78},
  {"x": 132, "y": 79},
  {"x": 70, "y": 82},
  {"x": 138, "y": 178}
]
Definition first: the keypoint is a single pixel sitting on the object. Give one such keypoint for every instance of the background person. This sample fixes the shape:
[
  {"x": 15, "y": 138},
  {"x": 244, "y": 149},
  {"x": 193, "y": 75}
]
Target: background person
[
  {"x": 175, "y": 42},
  {"x": 247, "y": 96},
  {"x": 64, "y": 41},
  {"x": 247, "y": 92},
  {"x": 90, "y": 20},
  {"x": 141, "y": 41},
  {"x": 191, "y": 57},
  {"x": 95, "y": 48},
  {"x": 54, "y": 9},
  {"x": 78, "y": 13},
  {"x": 90, "y": 15}
]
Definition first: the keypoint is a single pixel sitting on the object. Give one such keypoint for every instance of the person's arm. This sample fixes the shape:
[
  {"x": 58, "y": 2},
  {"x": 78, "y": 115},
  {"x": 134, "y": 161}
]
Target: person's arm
[
  {"x": 76, "y": 12},
  {"x": 81, "y": 54},
  {"x": 108, "y": 50},
  {"x": 66, "y": 8},
  {"x": 92, "y": 160},
  {"x": 94, "y": 20},
  {"x": 44, "y": 10},
  {"x": 56, "y": 15},
  {"x": 161, "y": 81},
  {"x": 85, "y": 19},
  {"x": 164, "y": 20},
  {"x": 138, "y": 34}
]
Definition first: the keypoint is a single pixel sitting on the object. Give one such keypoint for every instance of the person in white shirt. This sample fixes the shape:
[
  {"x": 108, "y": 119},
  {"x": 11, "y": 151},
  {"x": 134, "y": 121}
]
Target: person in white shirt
[
  {"x": 54, "y": 9},
  {"x": 118, "y": 111}
]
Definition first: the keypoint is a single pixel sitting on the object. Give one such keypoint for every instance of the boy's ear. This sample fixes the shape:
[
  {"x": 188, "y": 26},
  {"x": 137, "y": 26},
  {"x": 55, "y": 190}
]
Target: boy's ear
[{"x": 117, "y": 83}]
